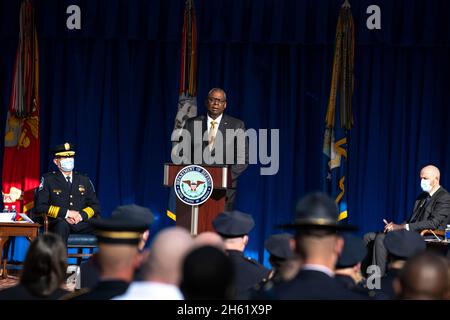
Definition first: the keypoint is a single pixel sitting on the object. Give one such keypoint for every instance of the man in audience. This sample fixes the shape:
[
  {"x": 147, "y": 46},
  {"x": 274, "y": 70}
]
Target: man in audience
[
  {"x": 431, "y": 211},
  {"x": 209, "y": 238},
  {"x": 348, "y": 267},
  {"x": 234, "y": 227},
  {"x": 90, "y": 270},
  {"x": 118, "y": 256},
  {"x": 207, "y": 274},
  {"x": 317, "y": 242},
  {"x": 400, "y": 245},
  {"x": 161, "y": 269},
  {"x": 424, "y": 276}
]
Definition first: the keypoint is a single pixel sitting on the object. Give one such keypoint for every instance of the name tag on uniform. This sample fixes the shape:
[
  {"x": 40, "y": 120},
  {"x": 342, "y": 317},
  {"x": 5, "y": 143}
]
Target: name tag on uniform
[{"x": 57, "y": 191}]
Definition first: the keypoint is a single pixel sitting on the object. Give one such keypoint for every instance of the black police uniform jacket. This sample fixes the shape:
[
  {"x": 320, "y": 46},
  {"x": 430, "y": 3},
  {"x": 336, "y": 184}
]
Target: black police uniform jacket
[
  {"x": 248, "y": 272},
  {"x": 55, "y": 196},
  {"x": 314, "y": 285}
]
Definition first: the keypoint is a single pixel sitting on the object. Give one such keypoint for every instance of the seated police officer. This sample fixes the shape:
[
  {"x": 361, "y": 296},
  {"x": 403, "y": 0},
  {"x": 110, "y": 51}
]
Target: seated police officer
[
  {"x": 234, "y": 227},
  {"x": 67, "y": 197}
]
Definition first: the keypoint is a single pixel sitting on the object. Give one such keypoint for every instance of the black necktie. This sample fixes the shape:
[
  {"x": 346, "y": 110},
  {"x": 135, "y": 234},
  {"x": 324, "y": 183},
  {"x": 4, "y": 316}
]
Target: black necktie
[
  {"x": 419, "y": 216},
  {"x": 68, "y": 182}
]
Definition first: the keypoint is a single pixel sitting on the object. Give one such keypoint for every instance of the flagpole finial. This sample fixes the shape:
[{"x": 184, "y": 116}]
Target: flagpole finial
[{"x": 346, "y": 4}]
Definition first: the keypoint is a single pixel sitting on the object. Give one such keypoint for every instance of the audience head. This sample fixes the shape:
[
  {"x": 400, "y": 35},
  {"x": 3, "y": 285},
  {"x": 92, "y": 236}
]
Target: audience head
[
  {"x": 207, "y": 274},
  {"x": 403, "y": 244},
  {"x": 280, "y": 248},
  {"x": 136, "y": 213},
  {"x": 234, "y": 227},
  {"x": 352, "y": 255},
  {"x": 118, "y": 240},
  {"x": 45, "y": 265},
  {"x": 164, "y": 261},
  {"x": 425, "y": 276},
  {"x": 316, "y": 226},
  {"x": 209, "y": 238}
]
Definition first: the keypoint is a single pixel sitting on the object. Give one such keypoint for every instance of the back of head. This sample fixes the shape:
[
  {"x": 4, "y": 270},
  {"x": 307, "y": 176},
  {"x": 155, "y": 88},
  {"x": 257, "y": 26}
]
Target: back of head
[
  {"x": 207, "y": 274},
  {"x": 45, "y": 265},
  {"x": 403, "y": 244},
  {"x": 209, "y": 238},
  {"x": 425, "y": 276},
  {"x": 115, "y": 258},
  {"x": 167, "y": 252}
]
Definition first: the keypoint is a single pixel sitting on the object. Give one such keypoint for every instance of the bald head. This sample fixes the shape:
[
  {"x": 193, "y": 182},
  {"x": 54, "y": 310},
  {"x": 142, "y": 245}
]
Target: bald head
[
  {"x": 430, "y": 177},
  {"x": 167, "y": 252},
  {"x": 209, "y": 239},
  {"x": 425, "y": 276},
  {"x": 431, "y": 172}
]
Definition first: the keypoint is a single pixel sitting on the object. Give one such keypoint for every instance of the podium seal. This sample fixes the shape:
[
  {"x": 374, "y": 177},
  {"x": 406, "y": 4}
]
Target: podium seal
[{"x": 193, "y": 185}]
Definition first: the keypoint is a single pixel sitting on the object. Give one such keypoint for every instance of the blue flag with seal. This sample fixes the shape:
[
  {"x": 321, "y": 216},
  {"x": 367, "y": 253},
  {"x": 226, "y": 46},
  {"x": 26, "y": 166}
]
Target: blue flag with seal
[
  {"x": 187, "y": 101},
  {"x": 336, "y": 138}
]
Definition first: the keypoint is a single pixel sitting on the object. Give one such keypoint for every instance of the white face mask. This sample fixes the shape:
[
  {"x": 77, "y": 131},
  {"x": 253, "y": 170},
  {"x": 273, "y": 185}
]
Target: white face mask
[
  {"x": 425, "y": 184},
  {"x": 67, "y": 164}
]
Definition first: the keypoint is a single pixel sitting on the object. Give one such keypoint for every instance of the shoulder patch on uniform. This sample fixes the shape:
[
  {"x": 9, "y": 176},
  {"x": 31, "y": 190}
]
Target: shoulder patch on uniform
[{"x": 41, "y": 185}]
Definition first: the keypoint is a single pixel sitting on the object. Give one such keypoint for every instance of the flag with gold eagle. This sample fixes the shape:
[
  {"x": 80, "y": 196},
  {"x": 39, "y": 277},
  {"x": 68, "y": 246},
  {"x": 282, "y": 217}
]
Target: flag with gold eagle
[
  {"x": 20, "y": 175},
  {"x": 339, "y": 122},
  {"x": 187, "y": 101}
]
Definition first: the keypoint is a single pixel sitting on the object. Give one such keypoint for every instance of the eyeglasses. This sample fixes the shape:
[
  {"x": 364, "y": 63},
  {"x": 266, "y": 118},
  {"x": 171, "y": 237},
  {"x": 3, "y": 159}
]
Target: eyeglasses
[{"x": 215, "y": 100}]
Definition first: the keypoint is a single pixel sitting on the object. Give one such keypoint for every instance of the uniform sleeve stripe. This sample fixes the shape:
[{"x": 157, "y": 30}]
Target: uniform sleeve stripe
[
  {"x": 89, "y": 211},
  {"x": 53, "y": 211}
]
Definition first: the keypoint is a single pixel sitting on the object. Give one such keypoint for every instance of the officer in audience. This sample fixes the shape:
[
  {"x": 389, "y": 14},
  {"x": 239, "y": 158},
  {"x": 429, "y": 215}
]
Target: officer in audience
[
  {"x": 285, "y": 264},
  {"x": 280, "y": 248},
  {"x": 348, "y": 267},
  {"x": 118, "y": 254},
  {"x": 400, "y": 245},
  {"x": 90, "y": 270},
  {"x": 317, "y": 242},
  {"x": 234, "y": 227}
]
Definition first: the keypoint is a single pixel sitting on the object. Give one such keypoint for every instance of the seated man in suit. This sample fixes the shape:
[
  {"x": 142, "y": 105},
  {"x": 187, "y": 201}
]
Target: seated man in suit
[
  {"x": 66, "y": 196},
  {"x": 211, "y": 140},
  {"x": 431, "y": 211}
]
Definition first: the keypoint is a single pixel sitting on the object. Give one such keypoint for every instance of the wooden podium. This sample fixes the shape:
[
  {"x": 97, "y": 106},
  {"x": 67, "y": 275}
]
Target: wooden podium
[{"x": 197, "y": 219}]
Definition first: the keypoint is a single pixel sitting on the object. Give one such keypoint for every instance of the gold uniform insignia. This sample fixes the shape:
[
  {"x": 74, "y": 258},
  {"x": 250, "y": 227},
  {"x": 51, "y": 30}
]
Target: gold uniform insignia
[
  {"x": 57, "y": 191},
  {"x": 81, "y": 189}
]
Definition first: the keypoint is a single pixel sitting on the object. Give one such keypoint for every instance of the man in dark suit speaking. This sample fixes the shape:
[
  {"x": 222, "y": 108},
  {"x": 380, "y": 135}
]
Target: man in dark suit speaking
[
  {"x": 431, "y": 211},
  {"x": 217, "y": 138}
]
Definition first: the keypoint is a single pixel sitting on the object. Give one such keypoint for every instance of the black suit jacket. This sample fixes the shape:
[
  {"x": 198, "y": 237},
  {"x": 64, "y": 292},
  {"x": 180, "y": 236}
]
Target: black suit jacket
[
  {"x": 238, "y": 163},
  {"x": 432, "y": 215}
]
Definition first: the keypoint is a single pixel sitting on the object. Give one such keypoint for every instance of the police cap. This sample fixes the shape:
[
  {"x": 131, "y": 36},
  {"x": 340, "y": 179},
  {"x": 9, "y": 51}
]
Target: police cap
[{"x": 233, "y": 224}]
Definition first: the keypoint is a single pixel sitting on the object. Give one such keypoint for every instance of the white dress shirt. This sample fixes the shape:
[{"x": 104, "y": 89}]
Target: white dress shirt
[
  {"x": 149, "y": 290},
  {"x": 319, "y": 268},
  {"x": 219, "y": 118}
]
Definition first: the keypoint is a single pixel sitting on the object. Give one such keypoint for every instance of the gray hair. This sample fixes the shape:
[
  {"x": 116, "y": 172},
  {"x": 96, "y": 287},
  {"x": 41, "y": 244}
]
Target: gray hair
[{"x": 218, "y": 89}]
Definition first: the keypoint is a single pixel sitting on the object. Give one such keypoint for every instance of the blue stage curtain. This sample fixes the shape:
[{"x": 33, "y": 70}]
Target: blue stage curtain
[{"x": 112, "y": 88}]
